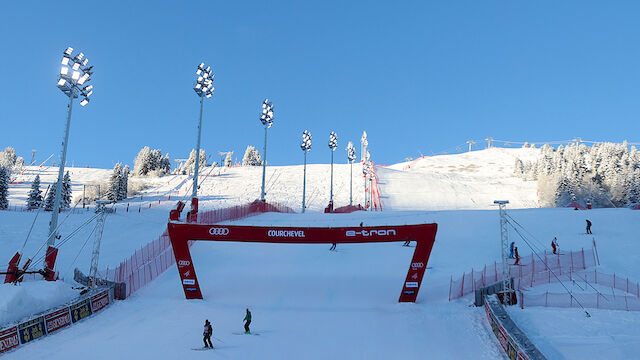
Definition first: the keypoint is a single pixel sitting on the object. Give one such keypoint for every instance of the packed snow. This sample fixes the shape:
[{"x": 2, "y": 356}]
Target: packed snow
[{"x": 310, "y": 303}]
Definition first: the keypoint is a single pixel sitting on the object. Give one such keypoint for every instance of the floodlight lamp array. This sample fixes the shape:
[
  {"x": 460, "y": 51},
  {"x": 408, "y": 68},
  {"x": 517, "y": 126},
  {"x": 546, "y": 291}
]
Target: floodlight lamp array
[
  {"x": 204, "y": 82},
  {"x": 74, "y": 74},
  {"x": 333, "y": 141},
  {"x": 351, "y": 152},
  {"x": 305, "y": 145},
  {"x": 267, "y": 113}
]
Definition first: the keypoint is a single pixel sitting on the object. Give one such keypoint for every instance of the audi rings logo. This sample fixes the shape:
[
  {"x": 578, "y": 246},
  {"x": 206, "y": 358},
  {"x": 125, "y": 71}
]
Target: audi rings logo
[{"x": 218, "y": 231}]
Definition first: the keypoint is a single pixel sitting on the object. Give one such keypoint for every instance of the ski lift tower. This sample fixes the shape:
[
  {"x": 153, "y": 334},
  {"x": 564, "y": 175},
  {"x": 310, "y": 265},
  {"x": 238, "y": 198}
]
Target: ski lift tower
[
  {"x": 507, "y": 291},
  {"x": 95, "y": 255}
]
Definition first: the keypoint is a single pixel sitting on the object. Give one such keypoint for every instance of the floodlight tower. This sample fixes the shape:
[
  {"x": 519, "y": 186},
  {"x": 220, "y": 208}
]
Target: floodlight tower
[
  {"x": 74, "y": 75},
  {"x": 267, "y": 120},
  {"x": 364, "y": 158},
  {"x": 351, "y": 156},
  {"x": 203, "y": 88},
  {"x": 333, "y": 144},
  {"x": 305, "y": 146},
  {"x": 504, "y": 241}
]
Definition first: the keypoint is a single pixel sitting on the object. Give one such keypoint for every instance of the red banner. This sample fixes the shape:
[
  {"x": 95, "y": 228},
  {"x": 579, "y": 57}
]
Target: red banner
[
  {"x": 57, "y": 320},
  {"x": 9, "y": 339},
  {"x": 100, "y": 301},
  {"x": 424, "y": 235}
]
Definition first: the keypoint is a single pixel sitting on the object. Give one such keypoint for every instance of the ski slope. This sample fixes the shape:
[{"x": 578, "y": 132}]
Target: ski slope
[
  {"x": 309, "y": 303},
  {"x": 471, "y": 180}
]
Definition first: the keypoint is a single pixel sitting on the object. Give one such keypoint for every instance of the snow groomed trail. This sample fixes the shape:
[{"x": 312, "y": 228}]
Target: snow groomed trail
[{"x": 310, "y": 303}]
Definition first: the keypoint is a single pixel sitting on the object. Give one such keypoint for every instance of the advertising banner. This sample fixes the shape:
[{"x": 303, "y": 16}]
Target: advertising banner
[
  {"x": 31, "y": 330},
  {"x": 80, "y": 310},
  {"x": 57, "y": 320},
  {"x": 423, "y": 234},
  {"x": 100, "y": 301},
  {"x": 9, "y": 339}
]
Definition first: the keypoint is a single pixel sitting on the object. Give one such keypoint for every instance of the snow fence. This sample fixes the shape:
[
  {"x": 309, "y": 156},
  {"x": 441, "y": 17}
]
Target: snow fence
[
  {"x": 629, "y": 301},
  {"x": 530, "y": 271},
  {"x": 157, "y": 256},
  {"x": 514, "y": 342}
]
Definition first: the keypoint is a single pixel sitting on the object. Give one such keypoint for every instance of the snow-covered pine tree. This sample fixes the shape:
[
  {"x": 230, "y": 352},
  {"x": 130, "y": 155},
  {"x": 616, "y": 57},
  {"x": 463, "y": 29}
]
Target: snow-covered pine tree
[
  {"x": 124, "y": 183},
  {"x": 4, "y": 188},
  {"x": 113, "y": 190},
  {"x": 66, "y": 192},
  {"x": 51, "y": 195},
  {"x": 189, "y": 166},
  {"x": 228, "y": 161},
  {"x": 34, "y": 200},
  {"x": 142, "y": 162},
  {"x": 251, "y": 157}
]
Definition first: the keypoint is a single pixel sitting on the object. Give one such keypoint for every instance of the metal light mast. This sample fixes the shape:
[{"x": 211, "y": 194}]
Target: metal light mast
[
  {"x": 333, "y": 144},
  {"x": 305, "y": 146},
  {"x": 504, "y": 241},
  {"x": 74, "y": 74},
  {"x": 267, "y": 120},
  {"x": 203, "y": 88},
  {"x": 364, "y": 158},
  {"x": 93, "y": 271},
  {"x": 351, "y": 156}
]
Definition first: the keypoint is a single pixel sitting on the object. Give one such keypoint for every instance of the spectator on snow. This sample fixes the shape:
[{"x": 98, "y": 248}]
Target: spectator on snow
[
  {"x": 588, "y": 226},
  {"x": 555, "y": 246},
  {"x": 515, "y": 250},
  {"x": 513, "y": 244}
]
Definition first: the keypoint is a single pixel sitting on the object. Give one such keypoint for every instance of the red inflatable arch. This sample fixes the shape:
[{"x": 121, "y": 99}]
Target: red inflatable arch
[{"x": 424, "y": 235}]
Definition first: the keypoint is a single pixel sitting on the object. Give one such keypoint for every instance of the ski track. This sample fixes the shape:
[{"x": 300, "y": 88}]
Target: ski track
[{"x": 310, "y": 303}]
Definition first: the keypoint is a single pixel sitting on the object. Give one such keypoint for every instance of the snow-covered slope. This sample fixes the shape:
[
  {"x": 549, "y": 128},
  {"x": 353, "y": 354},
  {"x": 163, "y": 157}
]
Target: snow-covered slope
[
  {"x": 470, "y": 180},
  {"x": 309, "y": 303}
]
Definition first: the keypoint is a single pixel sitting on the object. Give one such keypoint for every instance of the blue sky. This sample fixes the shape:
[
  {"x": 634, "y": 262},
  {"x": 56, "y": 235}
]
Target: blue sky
[{"x": 420, "y": 77}]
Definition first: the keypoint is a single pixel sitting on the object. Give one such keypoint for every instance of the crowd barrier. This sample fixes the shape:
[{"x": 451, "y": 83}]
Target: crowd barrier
[
  {"x": 594, "y": 301},
  {"x": 157, "y": 256},
  {"x": 52, "y": 320},
  {"x": 513, "y": 341},
  {"x": 530, "y": 270},
  {"x": 630, "y": 301}
]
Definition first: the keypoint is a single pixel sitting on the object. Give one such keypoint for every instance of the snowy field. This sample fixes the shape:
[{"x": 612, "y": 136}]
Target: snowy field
[{"x": 309, "y": 303}]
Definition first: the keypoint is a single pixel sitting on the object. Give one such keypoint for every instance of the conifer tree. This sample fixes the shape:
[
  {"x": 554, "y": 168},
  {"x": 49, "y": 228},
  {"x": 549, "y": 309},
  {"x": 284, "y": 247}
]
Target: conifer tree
[
  {"x": 48, "y": 202},
  {"x": 4, "y": 188},
  {"x": 124, "y": 183},
  {"x": 34, "y": 200},
  {"x": 113, "y": 191},
  {"x": 66, "y": 192}
]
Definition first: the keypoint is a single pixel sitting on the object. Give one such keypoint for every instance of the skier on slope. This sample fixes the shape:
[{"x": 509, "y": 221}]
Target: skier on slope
[
  {"x": 513, "y": 244},
  {"x": 555, "y": 246},
  {"x": 208, "y": 332},
  {"x": 589, "y": 227},
  {"x": 247, "y": 318}
]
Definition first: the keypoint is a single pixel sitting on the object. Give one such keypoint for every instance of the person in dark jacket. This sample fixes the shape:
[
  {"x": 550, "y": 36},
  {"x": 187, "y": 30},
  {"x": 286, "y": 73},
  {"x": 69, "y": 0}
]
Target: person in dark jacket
[
  {"x": 511, "y": 255},
  {"x": 247, "y": 318},
  {"x": 208, "y": 332},
  {"x": 588, "y": 226}
]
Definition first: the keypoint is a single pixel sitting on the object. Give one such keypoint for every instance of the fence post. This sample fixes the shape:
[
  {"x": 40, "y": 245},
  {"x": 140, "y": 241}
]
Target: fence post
[
  {"x": 546, "y": 299},
  {"x": 473, "y": 283},
  {"x": 595, "y": 248},
  {"x": 450, "y": 284},
  {"x": 614, "y": 280},
  {"x": 571, "y": 257},
  {"x": 462, "y": 286}
]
